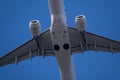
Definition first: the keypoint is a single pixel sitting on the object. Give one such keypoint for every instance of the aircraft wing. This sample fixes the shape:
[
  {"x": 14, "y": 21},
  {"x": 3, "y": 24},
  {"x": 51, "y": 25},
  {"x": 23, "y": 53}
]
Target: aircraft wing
[
  {"x": 93, "y": 42},
  {"x": 29, "y": 50}
]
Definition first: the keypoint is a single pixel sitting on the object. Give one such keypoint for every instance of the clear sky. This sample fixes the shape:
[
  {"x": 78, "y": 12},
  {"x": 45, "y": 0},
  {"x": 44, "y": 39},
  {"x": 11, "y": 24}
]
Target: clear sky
[{"x": 103, "y": 18}]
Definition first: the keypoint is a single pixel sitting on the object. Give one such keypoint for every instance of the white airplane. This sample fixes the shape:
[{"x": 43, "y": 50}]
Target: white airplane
[{"x": 61, "y": 41}]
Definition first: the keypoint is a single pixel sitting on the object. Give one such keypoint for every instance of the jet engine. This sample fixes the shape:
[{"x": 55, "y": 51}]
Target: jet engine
[
  {"x": 81, "y": 23},
  {"x": 35, "y": 26}
]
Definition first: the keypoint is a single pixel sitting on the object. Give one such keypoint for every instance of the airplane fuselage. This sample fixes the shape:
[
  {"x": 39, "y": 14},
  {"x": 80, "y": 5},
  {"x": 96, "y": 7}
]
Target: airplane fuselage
[
  {"x": 62, "y": 49},
  {"x": 60, "y": 40}
]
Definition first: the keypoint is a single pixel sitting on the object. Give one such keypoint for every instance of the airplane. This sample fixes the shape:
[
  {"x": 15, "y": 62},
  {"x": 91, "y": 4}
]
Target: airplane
[{"x": 60, "y": 41}]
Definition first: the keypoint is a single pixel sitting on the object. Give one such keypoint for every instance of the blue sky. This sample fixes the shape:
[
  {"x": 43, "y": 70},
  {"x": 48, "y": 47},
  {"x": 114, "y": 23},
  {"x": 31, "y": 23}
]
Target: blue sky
[{"x": 103, "y": 18}]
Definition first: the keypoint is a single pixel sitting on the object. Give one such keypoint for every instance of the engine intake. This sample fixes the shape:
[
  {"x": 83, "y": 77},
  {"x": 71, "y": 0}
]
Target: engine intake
[
  {"x": 81, "y": 23},
  {"x": 34, "y": 26}
]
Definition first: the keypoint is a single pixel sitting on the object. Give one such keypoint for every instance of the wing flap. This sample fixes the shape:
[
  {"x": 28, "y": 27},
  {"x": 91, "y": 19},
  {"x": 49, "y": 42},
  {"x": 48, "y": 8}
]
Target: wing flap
[
  {"x": 29, "y": 50},
  {"x": 75, "y": 39},
  {"x": 94, "y": 42},
  {"x": 19, "y": 52},
  {"x": 100, "y": 43}
]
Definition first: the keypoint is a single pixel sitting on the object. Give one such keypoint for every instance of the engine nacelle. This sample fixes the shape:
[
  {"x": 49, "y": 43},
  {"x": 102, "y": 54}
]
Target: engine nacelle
[
  {"x": 81, "y": 23},
  {"x": 35, "y": 26}
]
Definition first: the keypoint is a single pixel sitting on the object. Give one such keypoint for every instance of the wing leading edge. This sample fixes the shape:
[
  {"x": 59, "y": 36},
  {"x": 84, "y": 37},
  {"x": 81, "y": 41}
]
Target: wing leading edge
[
  {"x": 29, "y": 50},
  {"x": 93, "y": 42}
]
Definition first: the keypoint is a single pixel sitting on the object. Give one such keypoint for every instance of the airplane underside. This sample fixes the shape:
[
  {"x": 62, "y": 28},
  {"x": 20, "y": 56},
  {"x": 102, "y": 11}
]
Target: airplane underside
[{"x": 61, "y": 41}]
